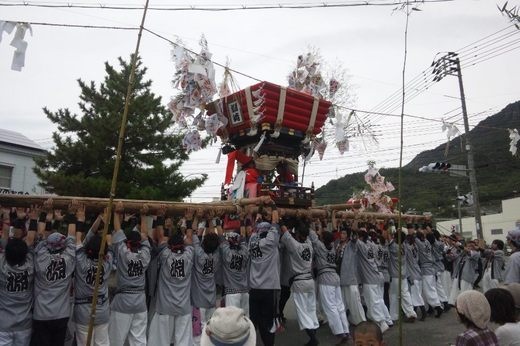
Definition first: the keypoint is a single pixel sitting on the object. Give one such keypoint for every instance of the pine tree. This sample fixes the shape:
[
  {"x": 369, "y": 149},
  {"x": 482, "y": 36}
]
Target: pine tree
[{"x": 85, "y": 146}]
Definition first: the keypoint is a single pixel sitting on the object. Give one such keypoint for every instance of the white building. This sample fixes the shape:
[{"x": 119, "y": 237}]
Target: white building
[
  {"x": 17, "y": 154},
  {"x": 496, "y": 226}
]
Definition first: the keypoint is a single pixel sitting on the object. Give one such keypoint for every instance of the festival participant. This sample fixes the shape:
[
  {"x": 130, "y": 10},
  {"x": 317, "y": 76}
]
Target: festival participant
[
  {"x": 173, "y": 312},
  {"x": 414, "y": 272},
  {"x": 438, "y": 256},
  {"x": 371, "y": 278},
  {"x": 16, "y": 277},
  {"x": 205, "y": 263},
  {"x": 129, "y": 316},
  {"x": 285, "y": 275},
  {"x": 513, "y": 265},
  {"x": 494, "y": 265},
  {"x": 474, "y": 312},
  {"x": 428, "y": 271},
  {"x": 54, "y": 262},
  {"x": 465, "y": 271},
  {"x": 264, "y": 274},
  {"x": 302, "y": 284},
  {"x": 328, "y": 280},
  {"x": 503, "y": 313},
  {"x": 406, "y": 300},
  {"x": 284, "y": 176},
  {"x": 382, "y": 259},
  {"x": 87, "y": 256},
  {"x": 350, "y": 279},
  {"x": 235, "y": 261}
]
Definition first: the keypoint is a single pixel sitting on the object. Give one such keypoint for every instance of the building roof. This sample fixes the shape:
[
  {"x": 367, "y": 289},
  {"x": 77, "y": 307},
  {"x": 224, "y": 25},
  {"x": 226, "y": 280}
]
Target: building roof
[{"x": 14, "y": 138}]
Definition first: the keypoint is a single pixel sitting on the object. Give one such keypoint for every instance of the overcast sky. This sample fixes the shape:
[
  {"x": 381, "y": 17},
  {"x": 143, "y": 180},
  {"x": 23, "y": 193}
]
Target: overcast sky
[{"x": 368, "y": 41}]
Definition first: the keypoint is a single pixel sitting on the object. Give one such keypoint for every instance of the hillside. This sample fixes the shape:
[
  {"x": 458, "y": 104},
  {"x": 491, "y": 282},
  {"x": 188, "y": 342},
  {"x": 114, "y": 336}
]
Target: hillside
[{"x": 498, "y": 173}]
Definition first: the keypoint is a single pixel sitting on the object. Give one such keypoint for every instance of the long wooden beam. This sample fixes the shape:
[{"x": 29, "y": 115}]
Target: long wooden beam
[{"x": 179, "y": 208}]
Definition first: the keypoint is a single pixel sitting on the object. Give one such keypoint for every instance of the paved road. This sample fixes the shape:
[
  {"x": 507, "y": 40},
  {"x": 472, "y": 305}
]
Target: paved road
[{"x": 433, "y": 331}]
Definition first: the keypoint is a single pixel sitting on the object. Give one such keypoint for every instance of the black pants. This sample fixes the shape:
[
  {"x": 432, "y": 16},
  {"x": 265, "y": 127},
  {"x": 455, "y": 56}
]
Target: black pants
[
  {"x": 49, "y": 333},
  {"x": 285, "y": 293},
  {"x": 263, "y": 309}
]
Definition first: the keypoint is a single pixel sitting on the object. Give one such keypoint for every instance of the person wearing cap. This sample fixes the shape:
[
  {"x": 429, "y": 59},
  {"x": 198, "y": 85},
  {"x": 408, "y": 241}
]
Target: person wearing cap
[
  {"x": 172, "y": 318},
  {"x": 503, "y": 313},
  {"x": 513, "y": 265},
  {"x": 54, "y": 265},
  {"x": 16, "y": 277},
  {"x": 228, "y": 326},
  {"x": 128, "y": 315},
  {"x": 474, "y": 312},
  {"x": 264, "y": 274},
  {"x": 87, "y": 260},
  {"x": 235, "y": 261},
  {"x": 329, "y": 290}
]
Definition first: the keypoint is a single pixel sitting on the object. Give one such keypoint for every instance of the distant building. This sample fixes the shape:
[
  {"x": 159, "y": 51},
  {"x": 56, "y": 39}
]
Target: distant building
[
  {"x": 17, "y": 154},
  {"x": 496, "y": 226}
]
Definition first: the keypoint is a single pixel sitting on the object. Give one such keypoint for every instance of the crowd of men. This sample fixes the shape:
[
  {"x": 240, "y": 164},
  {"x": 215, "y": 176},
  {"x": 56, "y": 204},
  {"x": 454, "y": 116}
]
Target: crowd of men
[{"x": 171, "y": 275}]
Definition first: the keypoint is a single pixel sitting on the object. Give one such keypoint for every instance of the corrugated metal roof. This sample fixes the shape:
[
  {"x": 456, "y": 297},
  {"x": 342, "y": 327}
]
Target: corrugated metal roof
[{"x": 12, "y": 137}]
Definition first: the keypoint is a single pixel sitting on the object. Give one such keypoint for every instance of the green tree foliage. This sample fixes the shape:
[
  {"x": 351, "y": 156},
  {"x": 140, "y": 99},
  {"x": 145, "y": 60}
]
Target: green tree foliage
[{"x": 85, "y": 146}]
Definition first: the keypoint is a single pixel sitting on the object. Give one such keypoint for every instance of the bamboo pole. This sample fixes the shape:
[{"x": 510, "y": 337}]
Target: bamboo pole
[{"x": 179, "y": 208}]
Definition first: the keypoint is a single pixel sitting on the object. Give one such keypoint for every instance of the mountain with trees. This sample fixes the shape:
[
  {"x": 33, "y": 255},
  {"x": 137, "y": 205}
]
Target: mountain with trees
[
  {"x": 82, "y": 161},
  {"x": 498, "y": 173}
]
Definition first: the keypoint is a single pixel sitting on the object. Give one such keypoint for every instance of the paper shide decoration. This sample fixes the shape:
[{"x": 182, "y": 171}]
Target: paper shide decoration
[
  {"x": 375, "y": 198},
  {"x": 451, "y": 131},
  {"x": 515, "y": 138},
  {"x": 18, "y": 41}
]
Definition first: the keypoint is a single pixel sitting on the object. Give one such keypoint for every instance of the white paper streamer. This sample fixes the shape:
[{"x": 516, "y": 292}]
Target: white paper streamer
[{"x": 514, "y": 137}]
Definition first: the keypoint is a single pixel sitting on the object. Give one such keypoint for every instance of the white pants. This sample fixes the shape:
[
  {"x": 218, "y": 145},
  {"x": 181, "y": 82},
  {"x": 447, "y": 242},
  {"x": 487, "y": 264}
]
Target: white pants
[
  {"x": 487, "y": 282},
  {"x": 441, "y": 293},
  {"x": 164, "y": 328},
  {"x": 240, "y": 300},
  {"x": 446, "y": 282},
  {"x": 416, "y": 293},
  {"x": 455, "y": 291},
  {"x": 376, "y": 308},
  {"x": 319, "y": 311},
  {"x": 17, "y": 338},
  {"x": 406, "y": 299},
  {"x": 123, "y": 325},
  {"x": 306, "y": 310},
  {"x": 99, "y": 335},
  {"x": 333, "y": 307},
  {"x": 352, "y": 300},
  {"x": 429, "y": 291}
]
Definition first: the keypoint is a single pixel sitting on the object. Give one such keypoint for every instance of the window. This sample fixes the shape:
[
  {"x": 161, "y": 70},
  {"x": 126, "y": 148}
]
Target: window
[
  {"x": 496, "y": 231},
  {"x": 6, "y": 173},
  {"x": 234, "y": 113}
]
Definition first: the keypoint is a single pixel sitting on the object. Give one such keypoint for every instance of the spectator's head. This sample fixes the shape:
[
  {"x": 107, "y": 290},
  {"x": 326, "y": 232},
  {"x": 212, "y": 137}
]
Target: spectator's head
[
  {"x": 55, "y": 242},
  {"x": 228, "y": 326},
  {"x": 514, "y": 289},
  {"x": 497, "y": 244},
  {"x": 473, "y": 309},
  {"x": 93, "y": 247},
  {"x": 16, "y": 252},
  {"x": 176, "y": 243},
  {"x": 502, "y": 306},
  {"x": 368, "y": 333},
  {"x": 210, "y": 243}
]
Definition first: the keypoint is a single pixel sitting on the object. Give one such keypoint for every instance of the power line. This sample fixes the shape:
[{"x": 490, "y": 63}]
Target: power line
[{"x": 217, "y": 7}]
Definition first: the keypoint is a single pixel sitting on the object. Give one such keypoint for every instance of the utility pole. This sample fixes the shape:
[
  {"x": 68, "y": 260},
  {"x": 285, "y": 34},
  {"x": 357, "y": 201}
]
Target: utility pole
[
  {"x": 450, "y": 65},
  {"x": 458, "y": 209}
]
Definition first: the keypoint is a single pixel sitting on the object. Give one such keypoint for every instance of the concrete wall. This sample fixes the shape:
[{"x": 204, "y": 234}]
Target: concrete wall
[
  {"x": 23, "y": 179},
  {"x": 495, "y": 226}
]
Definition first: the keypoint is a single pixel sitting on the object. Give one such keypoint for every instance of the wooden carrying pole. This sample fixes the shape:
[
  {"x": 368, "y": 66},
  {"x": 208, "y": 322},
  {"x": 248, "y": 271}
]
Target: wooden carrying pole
[{"x": 179, "y": 208}]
